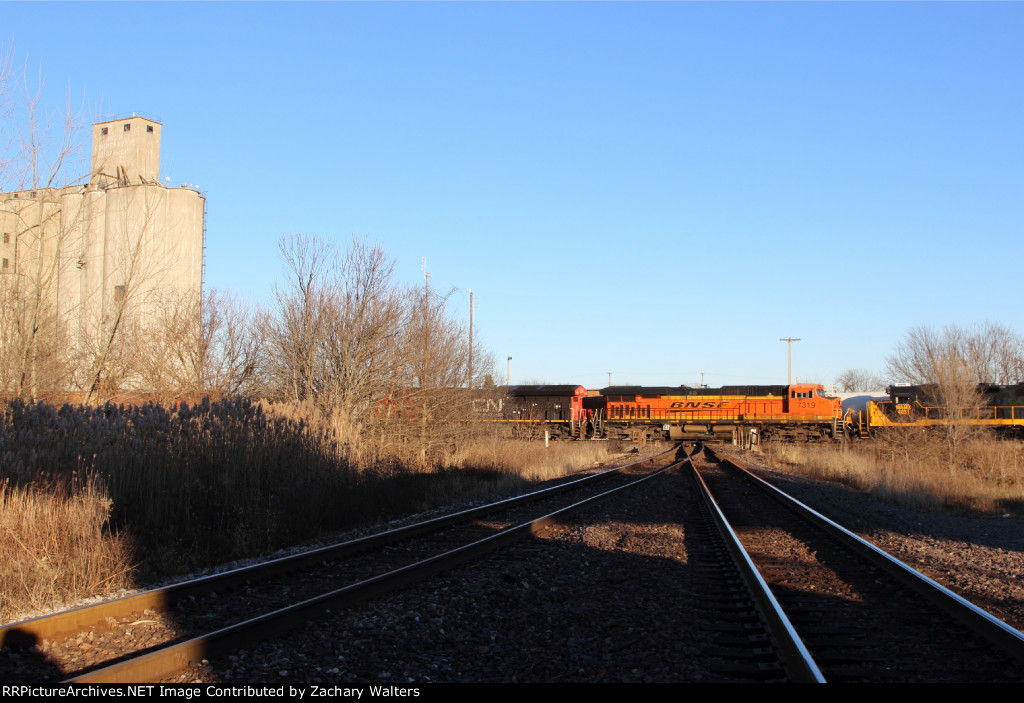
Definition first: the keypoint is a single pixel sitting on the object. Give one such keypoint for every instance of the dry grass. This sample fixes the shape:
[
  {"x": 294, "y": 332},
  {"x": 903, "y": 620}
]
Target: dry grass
[
  {"x": 192, "y": 486},
  {"x": 914, "y": 469},
  {"x": 532, "y": 461},
  {"x": 56, "y": 547}
]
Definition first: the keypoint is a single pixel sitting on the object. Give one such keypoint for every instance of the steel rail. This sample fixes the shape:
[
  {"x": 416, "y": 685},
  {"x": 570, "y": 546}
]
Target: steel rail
[
  {"x": 796, "y": 659},
  {"x": 69, "y": 621},
  {"x": 985, "y": 624},
  {"x": 168, "y": 661}
]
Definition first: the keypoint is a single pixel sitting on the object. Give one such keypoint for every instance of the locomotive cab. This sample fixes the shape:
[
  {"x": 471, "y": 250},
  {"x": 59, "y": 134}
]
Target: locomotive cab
[{"x": 810, "y": 399}]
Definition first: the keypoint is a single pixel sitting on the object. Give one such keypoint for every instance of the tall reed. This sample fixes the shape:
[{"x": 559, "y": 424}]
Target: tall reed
[
  {"x": 56, "y": 546},
  {"x": 172, "y": 489}
]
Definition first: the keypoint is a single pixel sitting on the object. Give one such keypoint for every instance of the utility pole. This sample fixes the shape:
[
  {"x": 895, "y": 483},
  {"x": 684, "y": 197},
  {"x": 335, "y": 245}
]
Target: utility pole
[
  {"x": 508, "y": 372},
  {"x": 790, "y": 340},
  {"x": 609, "y": 378}
]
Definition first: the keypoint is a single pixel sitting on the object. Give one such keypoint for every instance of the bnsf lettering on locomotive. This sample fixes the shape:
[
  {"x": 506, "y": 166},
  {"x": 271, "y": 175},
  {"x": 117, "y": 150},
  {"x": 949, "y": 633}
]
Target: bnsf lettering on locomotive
[{"x": 698, "y": 404}]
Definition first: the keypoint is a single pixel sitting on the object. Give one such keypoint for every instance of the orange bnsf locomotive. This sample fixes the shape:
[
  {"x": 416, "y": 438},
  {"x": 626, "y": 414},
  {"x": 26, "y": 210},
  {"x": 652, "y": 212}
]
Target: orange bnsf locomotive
[{"x": 737, "y": 414}]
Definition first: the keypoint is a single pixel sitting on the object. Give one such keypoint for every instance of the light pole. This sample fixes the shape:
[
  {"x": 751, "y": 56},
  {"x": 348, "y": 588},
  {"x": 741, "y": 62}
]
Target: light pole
[
  {"x": 790, "y": 340},
  {"x": 508, "y": 372}
]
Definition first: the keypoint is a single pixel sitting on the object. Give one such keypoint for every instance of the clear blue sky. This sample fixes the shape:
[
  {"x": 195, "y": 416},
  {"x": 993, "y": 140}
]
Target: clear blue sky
[{"x": 650, "y": 189}]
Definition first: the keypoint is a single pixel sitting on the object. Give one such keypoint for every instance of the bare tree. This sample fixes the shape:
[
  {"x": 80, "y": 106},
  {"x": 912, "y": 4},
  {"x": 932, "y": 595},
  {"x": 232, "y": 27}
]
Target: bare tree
[
  {"x": 366, "y": 316},
  {"x": 994, "y": 353},
  {"x": 166, "y": 364},
  {"x": 485, "y": 366},
  {"x": 435, "y": 358},
  {"x": 339, "y": 319},
  {"x": 229, "y": 346},
  {"x": 35, "y": 334},
  {"x": 7, "y": 111},
  {"x": 37, "y": 234},
  {"x": 44, "y": 147},
  {"x": 384, "y": 362},
  {"x": 297, "y": 332},
  {"x": 123, "y": 309},
  {"x": 852, "y": 380},
  {"x": 959, "y": 397},
  {"x": 954, "y": 362},
  {"x": 40, "y": 149},
  {"x": 985, "y": 353},
  {"x": 193, "y": 347}
]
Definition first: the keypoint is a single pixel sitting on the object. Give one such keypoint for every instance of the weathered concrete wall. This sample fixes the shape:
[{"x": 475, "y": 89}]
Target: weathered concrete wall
[{"x": 126, "y": 151}]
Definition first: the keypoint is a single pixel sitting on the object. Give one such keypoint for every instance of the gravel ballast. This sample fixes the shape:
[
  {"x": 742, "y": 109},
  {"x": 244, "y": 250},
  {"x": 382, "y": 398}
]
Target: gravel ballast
[{"x": 980, "y": 558}]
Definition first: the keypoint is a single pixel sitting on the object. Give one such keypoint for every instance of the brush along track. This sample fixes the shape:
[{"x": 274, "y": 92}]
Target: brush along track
[
  {"x": 152, "y": 621},
  {"x": 862, "y": 616}
]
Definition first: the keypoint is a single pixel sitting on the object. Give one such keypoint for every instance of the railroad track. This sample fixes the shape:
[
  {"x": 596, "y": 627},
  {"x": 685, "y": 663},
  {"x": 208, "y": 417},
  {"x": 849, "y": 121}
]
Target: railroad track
[
  {"x": 153, "y": 635},
  {"x": 842, "y": 610}
]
